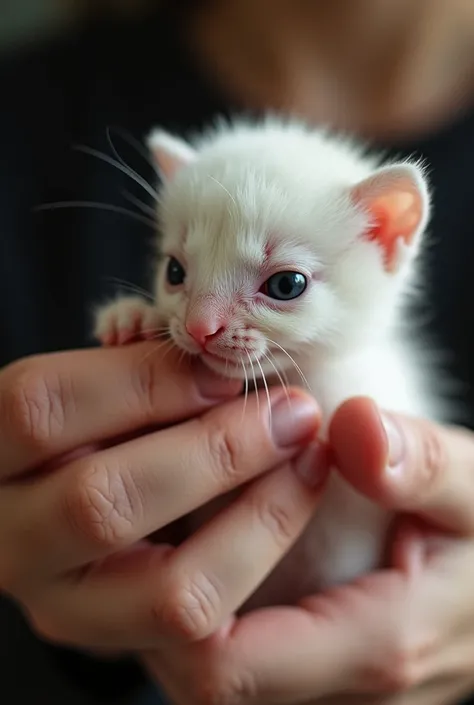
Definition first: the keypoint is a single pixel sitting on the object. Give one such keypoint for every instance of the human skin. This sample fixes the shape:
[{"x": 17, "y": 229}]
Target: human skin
[
  {"x": 102, "y": 448},
  {"x": 404, "y": 634}
]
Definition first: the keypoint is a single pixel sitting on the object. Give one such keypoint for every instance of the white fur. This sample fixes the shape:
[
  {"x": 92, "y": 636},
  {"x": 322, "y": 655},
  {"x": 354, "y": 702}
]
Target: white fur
[{"x": 222, "y": 198}]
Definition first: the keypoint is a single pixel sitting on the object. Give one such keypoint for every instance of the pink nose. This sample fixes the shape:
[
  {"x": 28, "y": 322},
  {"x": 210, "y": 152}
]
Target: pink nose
[{"x": 204, "y": 331}]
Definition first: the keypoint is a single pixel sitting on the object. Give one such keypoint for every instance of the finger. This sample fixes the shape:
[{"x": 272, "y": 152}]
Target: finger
[
  {"x": 279, "y": 656},
  {"x": 443, "y": 566},
  {"x": 407, "y": 464},
  {"x": 52, "y": 404},
  {"x": 157, "y": 593},
  {"x": 107, "y": 501},
  {"x": 217, "y": 569}
]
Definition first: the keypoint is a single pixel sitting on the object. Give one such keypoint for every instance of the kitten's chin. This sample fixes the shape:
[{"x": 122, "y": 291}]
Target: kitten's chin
[{"x": 226, "y": 368}]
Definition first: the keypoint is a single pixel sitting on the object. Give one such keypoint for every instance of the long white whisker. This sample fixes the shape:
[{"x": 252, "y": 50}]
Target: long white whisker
[
  {"x": 266, "y": 389},
  {"x": 181, "y": 357},
  {"x": 163, "y": 329},
  {"x": 297, "y": 367},
  {"x": 280, "y": 378},
  {"x": 144, "y": 207},
  {"x": 223, "y": 188},
  {"x": 99, "y": 206},
  {"x": 114, "y": 150},
  {"x": 125, "y": 169},
  {"x": 133, "y": 143},
  {"x": 283, "y": 372},
  {"x": 166, "y": 346},
  {"x": 132, "y": 287},
  {"x": 167, "y": 351},
  {"x": 255, "y": 383},
  {"x": 246, "y": 392}
]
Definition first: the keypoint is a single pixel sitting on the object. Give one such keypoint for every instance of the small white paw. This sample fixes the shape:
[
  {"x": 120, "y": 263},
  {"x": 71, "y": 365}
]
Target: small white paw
[{"x": 125, "y": 320}]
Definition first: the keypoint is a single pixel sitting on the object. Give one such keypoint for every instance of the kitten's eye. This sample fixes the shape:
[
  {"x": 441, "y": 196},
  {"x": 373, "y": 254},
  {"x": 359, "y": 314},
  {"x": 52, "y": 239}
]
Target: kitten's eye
[
  {"x": 175, "y": 273},
  {"x": 285, "y": 286}
]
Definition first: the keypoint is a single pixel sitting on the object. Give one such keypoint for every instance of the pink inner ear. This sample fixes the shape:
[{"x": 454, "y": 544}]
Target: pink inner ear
[
  {"x": 168, "y": 164},
  {"x": 170, "y": 153},
  {"x": 396, "y": 216}
]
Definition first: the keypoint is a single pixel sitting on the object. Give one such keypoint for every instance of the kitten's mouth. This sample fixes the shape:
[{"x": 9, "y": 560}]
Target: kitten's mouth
[
  {"x": 221, "y": 358},
  {"x": 246, "y": 363}
]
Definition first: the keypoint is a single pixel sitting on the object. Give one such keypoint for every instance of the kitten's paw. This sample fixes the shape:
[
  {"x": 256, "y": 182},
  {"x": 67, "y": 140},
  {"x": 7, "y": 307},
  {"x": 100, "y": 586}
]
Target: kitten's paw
[{"x": 126, "y": 320}]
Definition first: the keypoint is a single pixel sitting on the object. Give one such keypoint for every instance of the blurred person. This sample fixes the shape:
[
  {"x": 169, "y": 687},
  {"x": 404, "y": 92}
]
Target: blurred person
[{"x": 398, "y": 73}]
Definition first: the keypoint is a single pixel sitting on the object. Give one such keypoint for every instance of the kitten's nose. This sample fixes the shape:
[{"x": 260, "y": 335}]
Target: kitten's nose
[{"x": 203, "y": 331}]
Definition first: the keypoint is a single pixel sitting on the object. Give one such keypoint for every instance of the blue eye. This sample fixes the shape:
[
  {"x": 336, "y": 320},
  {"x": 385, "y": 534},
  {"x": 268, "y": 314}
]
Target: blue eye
[
  {"x": 175, "y": 273},
  {"x": 285, "y": 286}
]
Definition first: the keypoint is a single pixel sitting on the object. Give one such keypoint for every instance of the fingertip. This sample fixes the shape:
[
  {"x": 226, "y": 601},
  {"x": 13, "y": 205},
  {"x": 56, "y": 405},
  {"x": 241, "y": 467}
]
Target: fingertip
[
  {"x": 312, "y": 466},
  {"x": 295, "y": 417},
  {"x": 359, "y": 444}
]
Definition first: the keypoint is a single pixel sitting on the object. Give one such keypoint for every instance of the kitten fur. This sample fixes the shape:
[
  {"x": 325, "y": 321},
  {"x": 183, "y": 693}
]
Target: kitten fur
[{"x": 247, "y": 200}]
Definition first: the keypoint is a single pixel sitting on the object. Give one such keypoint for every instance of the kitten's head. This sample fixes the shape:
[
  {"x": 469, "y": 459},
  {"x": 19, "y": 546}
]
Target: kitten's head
[{"x": 276, "y": 239}]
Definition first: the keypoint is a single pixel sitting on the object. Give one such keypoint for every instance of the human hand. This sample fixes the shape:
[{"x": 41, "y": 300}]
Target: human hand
[
  {"x": 90, "y": 465},
  {"x": 401, "y": 635}
]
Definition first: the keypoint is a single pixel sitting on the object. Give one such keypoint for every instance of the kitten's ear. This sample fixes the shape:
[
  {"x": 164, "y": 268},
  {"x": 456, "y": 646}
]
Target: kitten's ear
[
  {"x": 169, "y": 153},
  {"x": 396, "y": 199}
]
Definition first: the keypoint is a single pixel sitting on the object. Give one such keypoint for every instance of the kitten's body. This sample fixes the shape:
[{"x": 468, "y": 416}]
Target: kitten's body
[{"x": 247, "y": 203}]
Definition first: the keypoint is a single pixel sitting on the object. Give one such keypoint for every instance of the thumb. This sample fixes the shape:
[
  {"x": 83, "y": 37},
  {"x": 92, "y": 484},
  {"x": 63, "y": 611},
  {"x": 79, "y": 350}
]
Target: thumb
[{"x": 407, "y": 464}]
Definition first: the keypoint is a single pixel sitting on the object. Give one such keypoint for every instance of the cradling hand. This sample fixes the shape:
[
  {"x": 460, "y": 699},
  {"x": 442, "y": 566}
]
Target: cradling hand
[
  {"x": 101, "y": 448},
  {"x": 403, "y": 635}
]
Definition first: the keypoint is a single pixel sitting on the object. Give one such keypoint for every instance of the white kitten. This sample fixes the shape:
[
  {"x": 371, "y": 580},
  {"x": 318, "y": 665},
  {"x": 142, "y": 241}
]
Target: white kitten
[{"x": 282, "y": 241}]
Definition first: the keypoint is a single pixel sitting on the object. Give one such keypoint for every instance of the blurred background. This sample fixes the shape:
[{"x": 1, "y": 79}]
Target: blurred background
[{"x": 24, "y": 22}]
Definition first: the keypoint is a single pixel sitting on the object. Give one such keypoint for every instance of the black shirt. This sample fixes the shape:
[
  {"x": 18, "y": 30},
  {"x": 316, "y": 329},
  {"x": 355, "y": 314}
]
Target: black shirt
[{"x": 55, "y": 264}]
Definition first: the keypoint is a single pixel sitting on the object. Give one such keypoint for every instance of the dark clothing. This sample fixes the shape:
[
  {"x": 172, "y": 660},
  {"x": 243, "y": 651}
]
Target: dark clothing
[{"x": 55, "y": 264}]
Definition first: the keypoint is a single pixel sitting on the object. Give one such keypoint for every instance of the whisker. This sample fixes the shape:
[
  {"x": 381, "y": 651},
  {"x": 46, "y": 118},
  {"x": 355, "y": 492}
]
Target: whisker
[
  {"x": 246, "y": 392},
  {"x": 166, "y": 346},
  {"x": 163, "y": 329},
  {"x": 266, "y": 389},
  {"x": 181, "y": 357},
  {"x": 282, "y": 370},
  {"x": 99, "y": 206},
  {"x": 136, "y": 201},
  {"x": 144, "y": 207},
  {"x": 138, "y": 146},
  {"x": 223, "y": 188},
  {"x": 121, "y": 167},
  {"x": 280, "y": 378},
  {"x": 297, "y": 367},
  {"x": 132, "y": 287},
  {"x": 165, "y": 353},
  {"x": 255, "y": 383},
  {"x": 114, "y": 150}
]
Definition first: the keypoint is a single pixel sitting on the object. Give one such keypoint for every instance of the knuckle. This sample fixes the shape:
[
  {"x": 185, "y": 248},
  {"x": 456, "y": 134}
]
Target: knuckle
[
  {"x": 102, "y": 504},
  {"x": 223, "y": 450},
  {"x": 145, "y": 387},
  {"x": 403, "y": 665},
  {"x": 226, "y": 689},
  {"x": 34, "y": 404},
  {"x": 191, "y": 609},
  {"x": 275, "y": 518}
]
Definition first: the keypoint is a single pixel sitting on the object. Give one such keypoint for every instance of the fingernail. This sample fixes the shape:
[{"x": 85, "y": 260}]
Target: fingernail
[
  {"x": 312, "y": 466},
  {"x": 396, "y": 445},
  {"x": 211, "y": 385},
  {"x": 293, "y": 420}
]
